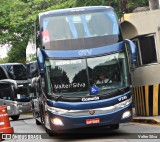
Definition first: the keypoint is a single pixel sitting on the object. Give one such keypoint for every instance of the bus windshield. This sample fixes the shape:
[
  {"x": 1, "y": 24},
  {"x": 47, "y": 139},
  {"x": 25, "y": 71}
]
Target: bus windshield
[
  {"x": 79, "y": 30},
  {"x": 76, "y": 77},
  {"x": 16, "y": 71},
  {"x": 32, "y": 69}
]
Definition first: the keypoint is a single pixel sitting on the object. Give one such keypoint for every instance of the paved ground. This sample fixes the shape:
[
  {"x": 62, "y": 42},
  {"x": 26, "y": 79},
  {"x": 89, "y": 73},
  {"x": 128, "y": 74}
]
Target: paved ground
[
  {"x": 146, "y": 119},
  {"x": 128, "y": 132}
]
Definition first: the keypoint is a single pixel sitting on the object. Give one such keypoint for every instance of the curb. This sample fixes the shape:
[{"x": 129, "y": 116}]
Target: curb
[{"x": 147, "y": 120}]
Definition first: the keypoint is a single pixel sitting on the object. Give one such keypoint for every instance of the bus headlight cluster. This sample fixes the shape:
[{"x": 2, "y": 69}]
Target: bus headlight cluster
[
  {"x": 57, "y": 121},
  {"x": 57, "y": 110},
  {"x": 124, "y": 103},
  {"x": 126, "y": 114},
  {"x": 14, "y": 103}
]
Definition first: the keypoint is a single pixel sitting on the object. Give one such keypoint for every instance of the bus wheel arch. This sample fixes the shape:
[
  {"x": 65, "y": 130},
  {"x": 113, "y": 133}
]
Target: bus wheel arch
[
  {"x": 38, "y": 123},
  {"x": 15, "y": 117},
  {"x": 114, "y": 126},
  {"x": 49, "y": 132}
]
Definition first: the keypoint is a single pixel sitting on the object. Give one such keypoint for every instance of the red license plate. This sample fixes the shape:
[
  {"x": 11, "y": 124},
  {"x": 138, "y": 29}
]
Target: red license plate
[{"x": 92, "y": 121}]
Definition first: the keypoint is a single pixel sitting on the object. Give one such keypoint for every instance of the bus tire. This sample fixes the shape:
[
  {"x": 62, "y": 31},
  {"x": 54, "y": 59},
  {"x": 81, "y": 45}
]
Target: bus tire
[
  {"x": 49, "y": 132},
  {"x": 115, "y": 126},
  {"x": 15, "y": 117},
  {"x": 38, "y": 123}
]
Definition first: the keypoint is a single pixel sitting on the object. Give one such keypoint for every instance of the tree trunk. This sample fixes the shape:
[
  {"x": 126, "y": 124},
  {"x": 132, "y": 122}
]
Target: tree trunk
[
  {"x": 123, "y": 5},
  {"x": 153, "y": 4}
]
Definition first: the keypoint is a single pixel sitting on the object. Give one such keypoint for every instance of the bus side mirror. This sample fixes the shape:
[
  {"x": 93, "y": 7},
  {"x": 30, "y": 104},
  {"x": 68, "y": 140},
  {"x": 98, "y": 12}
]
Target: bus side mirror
[
  {"x": 10, "y": 81},
  {"x": 132, "y": 52},
  {"x": 40, "y": 61}
]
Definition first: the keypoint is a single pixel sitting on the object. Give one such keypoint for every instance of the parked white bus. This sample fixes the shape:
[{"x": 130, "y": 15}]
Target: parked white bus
[{"x": 15, "y": 89}]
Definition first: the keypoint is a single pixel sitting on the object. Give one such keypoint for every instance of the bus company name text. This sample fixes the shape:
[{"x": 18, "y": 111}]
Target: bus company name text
[{"x": 72, "y": 85}]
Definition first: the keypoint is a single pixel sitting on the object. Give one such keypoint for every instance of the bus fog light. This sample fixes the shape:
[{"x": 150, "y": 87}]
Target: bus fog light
[
  {"x": 126, "y": 114},
  {"x": 57, "y": 121}
]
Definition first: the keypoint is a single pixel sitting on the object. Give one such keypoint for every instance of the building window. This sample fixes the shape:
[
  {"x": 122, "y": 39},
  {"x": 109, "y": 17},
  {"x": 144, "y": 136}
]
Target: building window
[{"x": 146, "y": 50}]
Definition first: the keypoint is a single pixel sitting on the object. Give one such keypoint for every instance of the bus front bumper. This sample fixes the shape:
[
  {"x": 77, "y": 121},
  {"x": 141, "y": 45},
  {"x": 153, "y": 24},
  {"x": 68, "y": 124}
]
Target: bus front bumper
[{"x": 65, "y": 122}]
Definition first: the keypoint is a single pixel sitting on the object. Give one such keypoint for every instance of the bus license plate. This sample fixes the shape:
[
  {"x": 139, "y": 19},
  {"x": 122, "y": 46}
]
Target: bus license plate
[
  {"x": 92, "y": 121},
  {"x": 8, "y": 107}
]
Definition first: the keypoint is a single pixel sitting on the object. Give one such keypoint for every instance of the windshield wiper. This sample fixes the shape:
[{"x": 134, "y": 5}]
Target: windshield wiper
[
  {"x": 121, "y": 90},
  {"x": 57, "y": 97}
]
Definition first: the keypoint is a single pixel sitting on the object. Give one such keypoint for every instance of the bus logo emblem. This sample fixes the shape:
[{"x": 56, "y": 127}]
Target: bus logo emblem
[
  {"x": 85, "y": 52},
  {"x": 91, "y": 111}
]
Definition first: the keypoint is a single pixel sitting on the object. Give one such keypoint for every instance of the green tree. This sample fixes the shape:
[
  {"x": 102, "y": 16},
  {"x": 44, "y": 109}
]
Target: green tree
[
  {"x": 17, "y": 22},
  {"x": 4, "y": 60},
  {"x": 17, "y": 53}
]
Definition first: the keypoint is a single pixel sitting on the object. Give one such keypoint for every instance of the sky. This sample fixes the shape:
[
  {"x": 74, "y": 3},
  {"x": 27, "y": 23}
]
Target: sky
[{"x": 4, "y": 50}]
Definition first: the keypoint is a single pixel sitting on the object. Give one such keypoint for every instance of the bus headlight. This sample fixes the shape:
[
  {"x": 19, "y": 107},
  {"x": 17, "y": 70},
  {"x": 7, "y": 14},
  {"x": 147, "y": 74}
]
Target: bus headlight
[
  {"x": 126, "y": 114},
  {"x": 124, "y": 103},
  {"x": 57, "y": 110},
  {"x": 14, "y": 103},
  {"x": 57, "y": 121}
]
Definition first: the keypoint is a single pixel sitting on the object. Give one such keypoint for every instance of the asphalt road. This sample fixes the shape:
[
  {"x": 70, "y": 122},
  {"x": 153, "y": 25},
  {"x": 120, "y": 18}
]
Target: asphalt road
[{"x": 25, "y": 127}]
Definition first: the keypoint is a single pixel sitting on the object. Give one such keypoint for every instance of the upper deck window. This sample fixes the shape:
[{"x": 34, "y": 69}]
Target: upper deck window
[{"x": 79, "y": 27}]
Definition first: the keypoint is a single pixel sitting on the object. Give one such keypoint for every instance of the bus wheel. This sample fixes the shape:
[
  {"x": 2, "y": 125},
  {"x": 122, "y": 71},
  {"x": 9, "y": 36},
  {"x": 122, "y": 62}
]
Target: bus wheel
[
  {"x": 49, "y": 132},
  {"x": 15, "y": 117},
  {"x": 115, "y": 126},
  {"x": 37, "y": 122}
]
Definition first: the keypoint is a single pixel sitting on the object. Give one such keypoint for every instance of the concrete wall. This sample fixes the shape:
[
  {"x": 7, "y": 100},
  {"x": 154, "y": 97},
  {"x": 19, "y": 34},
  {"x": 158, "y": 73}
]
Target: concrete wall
[
  {"x": 145, "y": 78},
  {"x": 142, "y": 23}
]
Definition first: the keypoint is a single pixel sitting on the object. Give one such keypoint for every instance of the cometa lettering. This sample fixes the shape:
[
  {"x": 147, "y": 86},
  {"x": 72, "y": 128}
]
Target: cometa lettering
[{"x": 90, "y": 99}]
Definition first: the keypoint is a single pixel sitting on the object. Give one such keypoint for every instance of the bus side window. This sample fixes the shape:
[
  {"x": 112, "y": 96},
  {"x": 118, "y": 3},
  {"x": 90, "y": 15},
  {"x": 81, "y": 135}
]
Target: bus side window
[
  {"x": 6, "y": 91},
  {"x": 2, "y": 74},
  {"x": 42, "y": 85},
  {"x": 80, "y": 29},
  {"x": 59, "y": 29}
]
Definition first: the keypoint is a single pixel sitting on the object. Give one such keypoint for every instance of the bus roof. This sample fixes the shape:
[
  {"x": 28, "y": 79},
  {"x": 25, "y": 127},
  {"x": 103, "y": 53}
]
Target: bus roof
[
  {"x": 31, "y": 62},
  {"x": 70, "y": 10},
  {"x": 4, "y": 64}
]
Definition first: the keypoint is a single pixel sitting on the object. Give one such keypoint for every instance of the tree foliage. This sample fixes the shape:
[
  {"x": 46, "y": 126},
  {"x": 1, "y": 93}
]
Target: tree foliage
[
  {"x": 17, "y": 22},
  {"x": 17, "y": 18},
  {"x": 119, "y": 5}
]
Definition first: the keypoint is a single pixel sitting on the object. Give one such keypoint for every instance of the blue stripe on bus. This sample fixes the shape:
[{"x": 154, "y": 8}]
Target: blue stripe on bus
[
  {"x": 84, "y": 52},
  {"x": 114, "y": 21},
  {"x": 72, "y": 26},
  {"x": 85, "y": 26},
  {"x": 87, "y": 104}
]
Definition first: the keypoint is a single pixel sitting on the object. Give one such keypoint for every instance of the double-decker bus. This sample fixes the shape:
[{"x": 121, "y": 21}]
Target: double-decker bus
[
  {"x": 32, "y": 70},
  {"x": 75, "y": 46},
  {"x": 32, "y": 73},
  {"x": 15, "y": 89}
]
